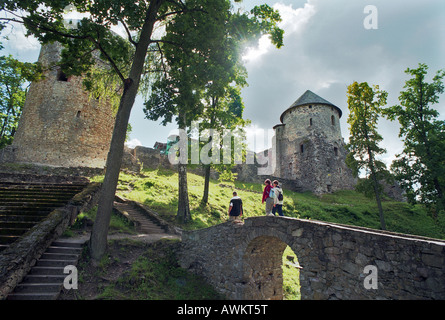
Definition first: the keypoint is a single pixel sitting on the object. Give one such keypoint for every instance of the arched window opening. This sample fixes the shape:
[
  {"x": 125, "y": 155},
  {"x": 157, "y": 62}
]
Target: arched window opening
[{"x": 333, "y": 120}]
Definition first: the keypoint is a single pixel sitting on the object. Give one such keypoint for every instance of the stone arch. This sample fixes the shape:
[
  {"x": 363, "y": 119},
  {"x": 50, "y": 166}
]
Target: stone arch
[
  {"x": 333, "y": 257},
  {"x": 262, "y": 273},
  {"x": 262, "y": 261}
]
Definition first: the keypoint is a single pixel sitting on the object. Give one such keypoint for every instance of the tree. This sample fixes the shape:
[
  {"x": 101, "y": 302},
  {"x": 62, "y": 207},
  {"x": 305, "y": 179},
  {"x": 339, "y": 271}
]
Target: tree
[
  {"x": 178, "y": 90},
  {"x": 223, "y": 105},
  {"x": 198, "y": 73},
  {"x": 224, "y": 116},
  {"x": 364, "y": 105},
  {"x": 44, "y": 19},
  {"x": 420, "y": 168},
  {"x": 14, "y": 75},
  {"x": 127, "y": 58}
]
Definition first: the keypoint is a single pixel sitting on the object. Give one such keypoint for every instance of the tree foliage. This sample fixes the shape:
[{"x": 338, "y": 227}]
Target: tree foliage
[
  {"x": 202, "y": 71},
  {"x": 364, "y": 103},
  {"x": 127, "y": 58},
  {"x": 14, "y": 79},
  {"x": 420, "y": 168}
]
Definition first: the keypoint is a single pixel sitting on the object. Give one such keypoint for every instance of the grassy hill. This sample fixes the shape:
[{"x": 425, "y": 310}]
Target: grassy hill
[
  {"x": 157, "y": 267},
  {"x": 158, "y": 190}
]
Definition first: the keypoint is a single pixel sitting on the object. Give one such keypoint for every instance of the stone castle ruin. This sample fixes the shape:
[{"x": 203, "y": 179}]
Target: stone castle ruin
[
  {"x": 309, "y": 146},
  {"x": 63, "y": 126}
]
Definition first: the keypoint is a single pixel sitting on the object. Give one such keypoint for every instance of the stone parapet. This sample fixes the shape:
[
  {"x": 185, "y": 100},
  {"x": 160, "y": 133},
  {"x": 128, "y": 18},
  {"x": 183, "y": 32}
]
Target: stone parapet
[{"x": 244, "y": 261}]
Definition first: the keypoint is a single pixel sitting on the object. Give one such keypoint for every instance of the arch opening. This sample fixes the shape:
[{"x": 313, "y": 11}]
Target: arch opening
[
  {"x": 270, "y": 270},
  {"x": 291, "y": 275}
]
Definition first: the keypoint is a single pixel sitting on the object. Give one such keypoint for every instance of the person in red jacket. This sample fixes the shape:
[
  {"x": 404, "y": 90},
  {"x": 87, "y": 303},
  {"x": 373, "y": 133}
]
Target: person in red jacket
[{"x": 267, "y": 197}]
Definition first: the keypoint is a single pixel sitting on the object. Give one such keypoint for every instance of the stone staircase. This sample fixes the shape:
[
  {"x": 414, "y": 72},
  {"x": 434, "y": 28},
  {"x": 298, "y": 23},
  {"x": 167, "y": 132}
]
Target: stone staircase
[
  {"x": 45, "y": 279},
  {"x": 23, "y": 205},
  {"x": 144, "y": 223}
]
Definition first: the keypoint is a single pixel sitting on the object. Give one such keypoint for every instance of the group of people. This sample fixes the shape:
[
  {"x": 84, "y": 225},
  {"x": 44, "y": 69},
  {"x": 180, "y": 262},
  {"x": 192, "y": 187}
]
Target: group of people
[{"x": 272, "y": 196}]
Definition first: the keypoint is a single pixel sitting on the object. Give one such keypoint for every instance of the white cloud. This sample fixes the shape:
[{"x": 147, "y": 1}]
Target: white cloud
[
  {"x": 259, "y": 139},
  {"x": 17, "y": 41},
  {"x": 133, "y": 143},
  {"x": 293, "y": 21},
  {"x": 254, "y": 53}
]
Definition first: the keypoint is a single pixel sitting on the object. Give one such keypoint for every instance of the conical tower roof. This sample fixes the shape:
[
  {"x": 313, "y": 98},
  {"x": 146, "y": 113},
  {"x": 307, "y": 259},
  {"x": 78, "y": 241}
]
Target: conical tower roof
[{"x": 310, "y": 98}]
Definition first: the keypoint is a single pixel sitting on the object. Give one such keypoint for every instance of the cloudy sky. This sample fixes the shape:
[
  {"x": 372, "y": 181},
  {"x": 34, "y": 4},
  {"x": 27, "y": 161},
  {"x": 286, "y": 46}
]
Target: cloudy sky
[{"x": 326, "y": 48}]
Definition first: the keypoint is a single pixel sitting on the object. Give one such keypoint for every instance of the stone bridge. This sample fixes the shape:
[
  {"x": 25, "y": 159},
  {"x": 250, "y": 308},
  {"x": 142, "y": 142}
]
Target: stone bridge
[{"x": 338, "y": 262}]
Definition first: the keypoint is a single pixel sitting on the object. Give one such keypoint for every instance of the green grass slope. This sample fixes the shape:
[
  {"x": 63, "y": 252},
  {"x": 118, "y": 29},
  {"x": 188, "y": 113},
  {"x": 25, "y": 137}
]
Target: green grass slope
[{"x": 158, "y": 189}]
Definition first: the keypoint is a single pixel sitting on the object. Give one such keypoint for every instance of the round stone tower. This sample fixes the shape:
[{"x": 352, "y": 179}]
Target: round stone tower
[
  {"x": 309, "y": 146},
  {"x": 61, "y": 124}
]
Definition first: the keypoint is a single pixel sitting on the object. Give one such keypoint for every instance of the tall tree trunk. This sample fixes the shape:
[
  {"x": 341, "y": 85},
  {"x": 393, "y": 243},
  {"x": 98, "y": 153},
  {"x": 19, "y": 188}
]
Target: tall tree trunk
[
  {"x": 441, "y": 200},
  {"x": 205, "y": 197},
  {"x": 376, "y": 189},
  {"x": 436, "y": 183},
  {"x": 98, "y": 240},
  {"x": 379, "y": 202},
  {"x": 183, "y": 214},
  {"x": 6, "y": 120}
]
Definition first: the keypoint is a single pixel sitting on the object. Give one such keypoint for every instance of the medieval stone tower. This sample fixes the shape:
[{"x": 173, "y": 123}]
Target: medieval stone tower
[
  {"x": 61, "y": 125},
  {"x": 309, "y": 146}
]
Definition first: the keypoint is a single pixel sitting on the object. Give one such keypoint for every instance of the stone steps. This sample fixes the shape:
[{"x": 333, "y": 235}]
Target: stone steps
[
  {"x": 23, "y": 205},
  {"x": 13, "y": 231},
  {"x": 7, "y": 239},
  {"x": 144, "y": 223},
  {"x": 16, "y": 224},
  {"x": 45, "y": 280}
]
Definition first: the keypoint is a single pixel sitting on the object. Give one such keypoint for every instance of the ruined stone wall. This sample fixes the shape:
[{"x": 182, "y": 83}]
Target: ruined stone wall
[
  {"x": 244, "y": 261},
  {"x": 310, "y": 148},
  {"x": 61, "y": 124}
]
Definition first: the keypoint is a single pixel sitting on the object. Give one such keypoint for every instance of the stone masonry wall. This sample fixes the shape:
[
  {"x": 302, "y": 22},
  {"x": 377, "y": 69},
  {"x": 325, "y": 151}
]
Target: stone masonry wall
[
  {"x": 244, "y": 261},
  {"x": 61, "y": 124},
  {"x": 310, "y": 148}
]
